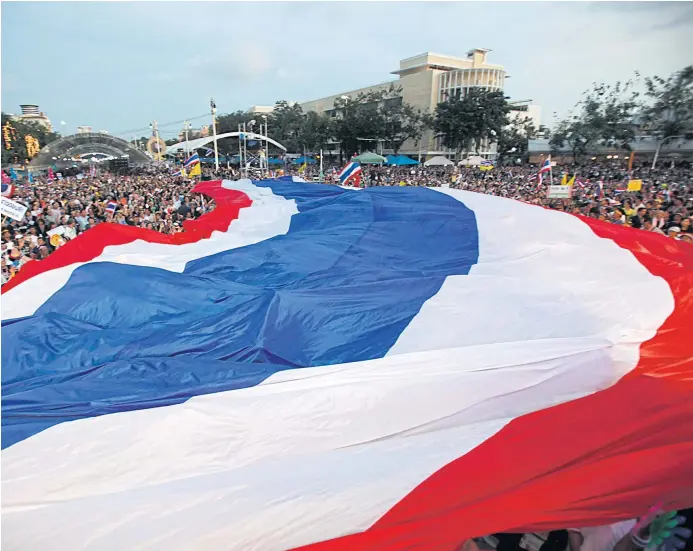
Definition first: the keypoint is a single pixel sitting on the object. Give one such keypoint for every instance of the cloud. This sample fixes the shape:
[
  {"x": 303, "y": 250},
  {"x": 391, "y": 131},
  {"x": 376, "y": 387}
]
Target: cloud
[
  {"x": 682, "y": 20},
  {"x": 243, "y": 62}
]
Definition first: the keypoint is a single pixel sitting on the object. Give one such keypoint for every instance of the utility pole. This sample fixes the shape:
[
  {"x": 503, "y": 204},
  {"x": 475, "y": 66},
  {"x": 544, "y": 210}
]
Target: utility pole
[{"x": 213, "y": 107}]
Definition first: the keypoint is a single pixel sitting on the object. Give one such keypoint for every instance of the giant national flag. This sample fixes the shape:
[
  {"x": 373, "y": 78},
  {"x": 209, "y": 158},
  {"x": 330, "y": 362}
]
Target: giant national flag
[{"x": 323, "y": 368}]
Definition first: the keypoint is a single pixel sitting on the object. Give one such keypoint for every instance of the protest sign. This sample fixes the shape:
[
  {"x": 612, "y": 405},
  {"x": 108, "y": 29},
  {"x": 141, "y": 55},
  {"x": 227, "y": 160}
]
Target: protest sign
[
  {"x": 559, "y": 192},
  {"x": 14, "y": 210},
  {"x": 634, "y": 185}
]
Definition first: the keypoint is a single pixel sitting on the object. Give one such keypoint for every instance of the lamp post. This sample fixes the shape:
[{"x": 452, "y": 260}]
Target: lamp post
[
  {"x": 213, "y": 107},
  {"x": 266, "y": 140}
]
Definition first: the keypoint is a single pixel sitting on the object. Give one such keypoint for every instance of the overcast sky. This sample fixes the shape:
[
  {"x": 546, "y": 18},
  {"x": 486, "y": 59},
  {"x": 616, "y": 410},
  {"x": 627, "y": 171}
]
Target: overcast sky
[{"x": 117, "y": 66}]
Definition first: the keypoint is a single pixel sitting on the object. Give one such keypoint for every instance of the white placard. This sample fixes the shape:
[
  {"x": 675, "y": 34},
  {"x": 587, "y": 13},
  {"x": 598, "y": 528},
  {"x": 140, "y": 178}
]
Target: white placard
[
  {"x": 60, "y": 230},
  {"x": 13, "y": 209},
  {"x": 559, "y": 192}
]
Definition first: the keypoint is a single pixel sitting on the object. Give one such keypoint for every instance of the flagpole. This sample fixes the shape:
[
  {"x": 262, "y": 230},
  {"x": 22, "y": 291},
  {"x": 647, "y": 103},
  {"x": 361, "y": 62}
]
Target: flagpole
[
  {"x": 550, "y": 171},
  {"x": 214, "y": 133}
]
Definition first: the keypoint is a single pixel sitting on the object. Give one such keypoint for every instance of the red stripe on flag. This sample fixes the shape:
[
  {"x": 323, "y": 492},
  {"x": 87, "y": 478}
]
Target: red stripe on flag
[
  {"x": 89, "y": 245},
  {"x": 605, "y": 457}
]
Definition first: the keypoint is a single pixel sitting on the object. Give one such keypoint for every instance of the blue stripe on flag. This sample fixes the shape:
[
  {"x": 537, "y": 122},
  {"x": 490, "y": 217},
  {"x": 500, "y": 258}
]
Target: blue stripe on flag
[{"x": 340, "y": 286}]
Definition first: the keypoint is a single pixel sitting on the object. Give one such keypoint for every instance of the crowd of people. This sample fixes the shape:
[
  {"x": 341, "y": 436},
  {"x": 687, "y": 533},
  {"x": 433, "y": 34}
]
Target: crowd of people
[
  {"x": 60, "y": 210},
  {"x": 664, "y": 205}
]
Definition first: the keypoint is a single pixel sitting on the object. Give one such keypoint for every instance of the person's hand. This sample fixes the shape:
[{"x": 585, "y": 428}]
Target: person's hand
[{"x": 666, "y": 534}]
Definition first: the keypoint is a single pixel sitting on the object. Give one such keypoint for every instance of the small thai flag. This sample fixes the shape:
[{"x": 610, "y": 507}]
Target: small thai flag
[
  {"x": 177, "y": 173},
  {"x": 7, "y": 190},
  {"x": 209, "y": 152},
  {"x": 351, "y": 174},
  {"x": 486, "y": 162},
  {"x": 579, "y": 183},
  {"x": 619, "y": 190},
  {"x": 546, "y": 167},
  {"x": 192, "y": 160},
  {"x": 111, "y": 206}
]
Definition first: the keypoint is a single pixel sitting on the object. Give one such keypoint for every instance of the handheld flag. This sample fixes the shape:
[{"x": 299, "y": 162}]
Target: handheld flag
[
  {"x": 323, "y": 368},
  {"x": 546, "y": 166},
  {"x": 351, "y": 175},
  {"x": 302, "y": 168},
  {"x": 564, "y": 180},
  {"x": 192, "y": 160},
  {"x": 7, "y": 189},
  {"x": 571, "y": 182},
  {"x": 634, "y": 185},
  {"x": 196, "y": 170},
  {"x": 111, "y": 206}
]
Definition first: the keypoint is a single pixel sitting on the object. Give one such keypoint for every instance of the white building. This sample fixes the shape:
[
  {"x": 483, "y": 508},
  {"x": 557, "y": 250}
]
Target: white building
[
  {"x": 426, "y": 80},
  {"x": 32, "y": 113}
]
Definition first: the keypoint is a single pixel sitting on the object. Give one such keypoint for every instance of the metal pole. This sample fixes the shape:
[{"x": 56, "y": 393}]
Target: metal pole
[
  {"x": 240, "y": 147},
  {"x": 267, "y": 144},
  {"x": 186, "y": 126},
  {"x": 214, "y": 133},
  {"x": 654, "y": 162}
]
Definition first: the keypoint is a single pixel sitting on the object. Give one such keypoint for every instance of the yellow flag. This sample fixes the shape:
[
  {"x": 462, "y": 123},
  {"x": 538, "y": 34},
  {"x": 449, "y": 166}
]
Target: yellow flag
[
  {"x": 196, "y": 170},
  {"x": 302, "y": 169},
  {"x": 564, "y": 180},
  {"x": 634, "y": 185},
  {"x": 571, "y": 181}
]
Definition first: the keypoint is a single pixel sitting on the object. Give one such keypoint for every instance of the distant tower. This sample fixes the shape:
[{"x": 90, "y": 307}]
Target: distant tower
[{"x": 32, "y": 113}]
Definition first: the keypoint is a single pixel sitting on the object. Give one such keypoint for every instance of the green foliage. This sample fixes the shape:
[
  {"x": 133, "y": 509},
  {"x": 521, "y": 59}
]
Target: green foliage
[
  {"x": 513, "y": 138},
  {"x": 465, "y": 122},
  {"x": 230, "y": 121},
  {"x": 606, "y": 115},
  {"x": 17, "y": 153},
  {"x": 669, "y": 111}
]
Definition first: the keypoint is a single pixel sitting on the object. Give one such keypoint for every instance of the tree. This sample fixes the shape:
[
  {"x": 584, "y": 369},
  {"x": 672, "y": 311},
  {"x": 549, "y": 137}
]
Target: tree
[
  {"x": 230, "y": 121},
  {"x": 287, "y": 124},
  {"x": 398, "y": 120},
  {"x": 670, "y": 109},
  {"x": 514, "y": 137},
  {"x": 466, "y": 122},
  {"x": 14, "y": 138},
  {"x": 359, "y": 121},
  {"x": 605, "y": 116},
  {"x": 318, "y": 130}
]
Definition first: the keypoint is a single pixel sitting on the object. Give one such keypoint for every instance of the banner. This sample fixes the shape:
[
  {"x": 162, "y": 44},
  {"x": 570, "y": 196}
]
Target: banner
[
  {"x": 559, "y": 192},
  {"x": 11, "y": 208},
  {"x": 634, "y": 185}
]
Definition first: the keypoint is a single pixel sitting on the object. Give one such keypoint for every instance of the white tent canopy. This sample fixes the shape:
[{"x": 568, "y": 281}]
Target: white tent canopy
[
  {"x": 474, "y": 160},
  {"x": 192, "y": 145},
  {"x": 439, "y": 161}
]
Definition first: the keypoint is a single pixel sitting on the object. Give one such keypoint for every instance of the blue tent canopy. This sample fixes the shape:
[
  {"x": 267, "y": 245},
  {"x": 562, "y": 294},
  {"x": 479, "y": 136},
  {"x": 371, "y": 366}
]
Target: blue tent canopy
[
  {"x": 302, "y": 160},
  {"x": 273, "y": 161},
  {"x": 400, "y": 160}
]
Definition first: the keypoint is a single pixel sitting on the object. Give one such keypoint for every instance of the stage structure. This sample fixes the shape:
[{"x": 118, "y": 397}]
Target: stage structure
[
  {"x": 245, "y": 135},
  {"x": 88, "y": 144}
]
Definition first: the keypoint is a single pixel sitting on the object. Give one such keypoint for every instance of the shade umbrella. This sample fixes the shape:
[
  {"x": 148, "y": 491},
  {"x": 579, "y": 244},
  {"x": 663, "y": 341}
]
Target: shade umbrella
[{"x": 369, "y": 158}]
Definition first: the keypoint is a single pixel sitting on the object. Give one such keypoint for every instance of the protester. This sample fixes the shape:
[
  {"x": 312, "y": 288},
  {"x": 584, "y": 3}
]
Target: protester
[{"x": 59, "y": 211}]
